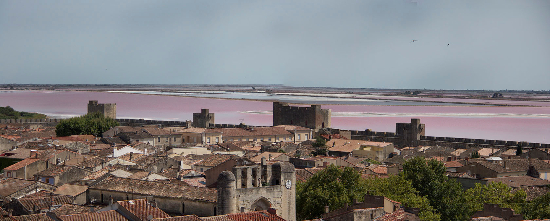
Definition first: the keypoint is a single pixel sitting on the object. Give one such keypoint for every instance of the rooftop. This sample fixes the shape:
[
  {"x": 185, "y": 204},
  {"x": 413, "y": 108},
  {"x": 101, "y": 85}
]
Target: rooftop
[
  {"x": 171, "y": 189},
  {"x": 21, "y": 164}
]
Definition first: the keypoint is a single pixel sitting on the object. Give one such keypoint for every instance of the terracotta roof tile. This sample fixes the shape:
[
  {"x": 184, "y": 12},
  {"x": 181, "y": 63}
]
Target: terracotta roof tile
[
  {"x": 520, "y": 181},
  {"x": 111, "y": 215},
  {"x": 142, "y": 209},
  {"x": 22, "y": 164},
  {"x": 33, "y": 217},
  {"x": 71, "y": 190},
  {"x": 69, "y": 209},
  {"x": 513, "y": 165},
  {"x": 254, "y": 131},
  {"x": 12, "y": 185},
  {"x": 180, "y": 218},
  {"x": 41, "y": 203},
  {"x": 175, "y": 189},
  {"x": 453, "y": 164},
  {"x": 214, "y": 160},
  {"x": 197, "y": 182},
  {"x": 342, "y": 145},
  {"x": 256, "y": 216}
]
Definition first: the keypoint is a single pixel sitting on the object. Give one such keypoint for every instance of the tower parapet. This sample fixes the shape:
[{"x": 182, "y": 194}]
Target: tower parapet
[
  {"x": 311, "y": 117},
  {"x": 204, "y": 119},
  {"x": 107, "y": 109}
]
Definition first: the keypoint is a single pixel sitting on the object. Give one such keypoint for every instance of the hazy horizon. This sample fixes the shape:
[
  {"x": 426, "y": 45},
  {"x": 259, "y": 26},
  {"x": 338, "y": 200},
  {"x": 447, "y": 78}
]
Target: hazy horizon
[{"x": 458, "y": 45}]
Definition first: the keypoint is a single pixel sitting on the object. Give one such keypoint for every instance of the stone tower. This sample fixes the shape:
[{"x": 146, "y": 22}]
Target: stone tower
[
  {"x": 108, "y": 110},
  {"x": 311, "y": 117},
  {"x": 203, "y": 119},
  {"x": 258, "y": 187},
  {"x": 409, "y": 134}
]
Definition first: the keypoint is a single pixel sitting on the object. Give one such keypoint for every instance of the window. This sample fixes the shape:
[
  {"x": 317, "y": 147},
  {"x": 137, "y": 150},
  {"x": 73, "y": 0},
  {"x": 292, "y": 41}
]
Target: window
[
  {"x": 269, "y": 139},
  {"x": 207, "y": 141},
  {"x": 305, "y": 136},
  {"x": 158, "y": 139},
  {"x": 217, "y": 139},
  {"x": 9, "y": 174},
  {"x": 174, "y": 139},
  {"x": 299, "y": 137}
]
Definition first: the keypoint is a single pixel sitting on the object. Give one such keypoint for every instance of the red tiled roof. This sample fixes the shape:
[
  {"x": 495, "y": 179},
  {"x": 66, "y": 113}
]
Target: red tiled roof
[
  {"x": 342, "y": 145},
  {"x": 172, "y": 189},
  {"x": 180, "y": 218},
  {"x": 453, "y": 164},
  {"x": 142, "y": 209},
  {"x": 68, "y": 209},
  {"x": 198, "y": 182},
  {"x": 214, "y": 160},
  {"x": 111, "y": 215},
  {"x": 33, "y": 217},
  {"x": 21, "y": 164},
  {"x": 255, "y": 131},
  {"x": 520, "y": 181},
  {"x": 71, "y": 190},
  {"x": 40, "y": 203},
  {"x": 256, "y": 216}
]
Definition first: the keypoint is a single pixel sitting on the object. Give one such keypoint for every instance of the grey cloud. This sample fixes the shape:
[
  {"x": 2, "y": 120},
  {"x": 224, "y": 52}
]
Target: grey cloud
[{"x": 493, "y": 44}]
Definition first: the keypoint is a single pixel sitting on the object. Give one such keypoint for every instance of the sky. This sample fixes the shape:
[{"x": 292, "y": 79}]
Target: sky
[{"x": 491, "y": 45}]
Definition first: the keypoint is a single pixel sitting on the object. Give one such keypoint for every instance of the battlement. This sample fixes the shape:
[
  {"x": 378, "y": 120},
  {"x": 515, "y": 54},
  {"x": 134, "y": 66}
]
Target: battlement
[
  {"x": 107, "y": 109},
  {"x": 204, "y": 119},
  {"x": 311, "y": 117}
]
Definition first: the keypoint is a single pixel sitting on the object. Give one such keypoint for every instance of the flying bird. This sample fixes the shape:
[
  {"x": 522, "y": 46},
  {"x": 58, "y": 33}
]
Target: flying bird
[
  {"x": 448, "y": 44},
  {"x": 414, "y": 40}
]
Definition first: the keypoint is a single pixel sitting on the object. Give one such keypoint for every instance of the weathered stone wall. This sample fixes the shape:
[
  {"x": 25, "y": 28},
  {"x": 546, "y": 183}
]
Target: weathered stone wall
[
  {"x": 108, "y": 110},
  {"x": 311, "y": 117},
  {"x": 169, "y": 205},
  {"x": 204, "y": 119},
  {"x": 74, "y": 174},
  {"x": 242, "y": 190}
]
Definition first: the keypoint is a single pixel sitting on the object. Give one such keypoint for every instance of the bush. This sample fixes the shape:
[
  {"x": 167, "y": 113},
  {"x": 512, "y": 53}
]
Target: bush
[{"x": 92, "y": 124}]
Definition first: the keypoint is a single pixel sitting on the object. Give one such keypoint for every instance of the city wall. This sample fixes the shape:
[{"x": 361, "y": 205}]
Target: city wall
[{"x": 453, "y": 142}]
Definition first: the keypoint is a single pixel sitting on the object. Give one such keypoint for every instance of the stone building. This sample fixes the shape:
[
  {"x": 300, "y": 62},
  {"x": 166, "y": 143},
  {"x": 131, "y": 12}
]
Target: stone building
[
  {"x": 108, "y": 110},
  {"x": 409, "y": 134},
  {"x": 258, "y": 187},
  {"x": 203, "y": 119},
  {"x": 311, "y": 117}
]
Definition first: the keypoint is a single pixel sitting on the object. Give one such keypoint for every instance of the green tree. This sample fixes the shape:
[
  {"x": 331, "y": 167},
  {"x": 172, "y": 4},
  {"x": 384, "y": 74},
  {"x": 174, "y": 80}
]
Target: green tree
[
  {"x": 399, "y": 189},
  {"x": 93, "y": 124},
  {"x": 319, "y": 142},
  {"x": 320, "y": 146},
  {"x": 446, "y": 196},
  {"x": 539, "y": 208},
  {"x": 9, "y": 113},
  {"x": 493, "y": 193},
  {"x": 331, "y": 187}
]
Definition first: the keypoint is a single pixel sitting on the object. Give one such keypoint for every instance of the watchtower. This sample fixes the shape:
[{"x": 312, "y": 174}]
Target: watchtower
[
  {"x": 203, "y": 119},
  {"x": 258, "y": 187},
  {"x": 311, "y": 117},
  {"x": 409, "y": 134},
  {"x": 107, "y": 110}
]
